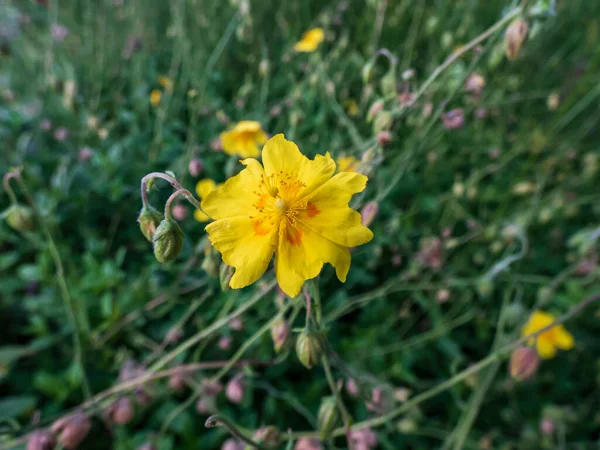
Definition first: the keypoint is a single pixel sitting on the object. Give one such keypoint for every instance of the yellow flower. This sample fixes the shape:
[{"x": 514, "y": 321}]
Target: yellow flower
[
  {"x": 155, "y": 97},
  {"x": 243, "y": 139},
  {"x": 351, "y": 107},
  {"x": 310, "y": 40},
  {"x": 165, "y": 82},
  {"x": 292, "y": 208},
  {"x": 347, "y": 164},
  {"x": 547, "y": 342},
  {"x": 203, "y": 188}
]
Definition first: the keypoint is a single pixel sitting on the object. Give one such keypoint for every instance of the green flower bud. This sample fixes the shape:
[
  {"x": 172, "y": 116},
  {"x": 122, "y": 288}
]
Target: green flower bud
[
  {"x": 309, "y": 348},
  {"x": 20, "y": 218},
  {"x": 383, "y": 121},
  {"x": 328, "y": 417},
  {"x": 269, "y": 437},
  {"x": 225, "y": 274},
  {"x": 149, "y": 220},
  {"x": 367, "y": 71},
  {"x": 167, "y": 241}
]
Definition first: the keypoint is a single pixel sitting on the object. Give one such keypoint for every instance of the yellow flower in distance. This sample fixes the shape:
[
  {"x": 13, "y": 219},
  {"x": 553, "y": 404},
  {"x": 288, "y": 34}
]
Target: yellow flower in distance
[
  {"x": 310, "y": 40},
  {"x": 165, "y": 82},
  {"x": 293, "y": 208},
  {"x": 547, "y": 342},
  {"x": 347, "y": 164},
  {"x": 243, "y": 139},
  {"x": 155, "y": 97},
  {"x": 203, "y": 188}
]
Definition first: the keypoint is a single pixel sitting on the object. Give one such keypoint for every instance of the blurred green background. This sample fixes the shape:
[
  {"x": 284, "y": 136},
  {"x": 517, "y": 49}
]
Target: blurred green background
[{"x": 480, "y": 221}]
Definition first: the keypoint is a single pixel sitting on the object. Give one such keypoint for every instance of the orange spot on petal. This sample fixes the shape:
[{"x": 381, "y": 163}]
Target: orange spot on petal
[
  {"x": 312, "y": 210},
  {"x": 260, "y": 229},
  {"x": 293, "y": 236}
]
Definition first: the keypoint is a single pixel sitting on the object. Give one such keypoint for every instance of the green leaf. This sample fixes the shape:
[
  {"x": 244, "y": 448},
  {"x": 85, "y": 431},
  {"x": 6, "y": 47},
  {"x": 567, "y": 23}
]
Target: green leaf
[{"x": 11, "y": 407}]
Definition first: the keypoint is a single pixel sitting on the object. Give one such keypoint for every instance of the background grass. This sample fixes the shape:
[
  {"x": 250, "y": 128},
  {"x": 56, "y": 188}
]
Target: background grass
[{"x": 520, "y": 181}]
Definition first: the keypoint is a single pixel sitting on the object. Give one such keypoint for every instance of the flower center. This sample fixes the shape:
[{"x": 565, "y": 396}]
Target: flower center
[{"x": 280, "y": 204}]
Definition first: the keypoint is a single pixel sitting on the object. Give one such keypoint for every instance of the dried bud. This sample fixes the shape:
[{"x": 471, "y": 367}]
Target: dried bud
[
  {"x": 167, "y": 241},
  {"x": 177, "y": 382},
  {"x": 40, "y": 440},
  {"x": 195, "y": 167},
  {"x": 384, "y": 138},
  {"x": 375, "y": 109},
  {"x": 269, "y": 437},
  {"x": 149, "y": 220},
  {"x": 280, "y": 333},
  {"x": 234, "y": 391},
  {"x": 20, "y": 218},
  {"x": 454, "y": 119},
  {"x": 225, "y": 274},
  {"x": 514, "y": 37},
  {"x": 474, "y": 83},
  {"x": 524, "y": 362},
  {"x": 328, "y": 416},
  {"x": 309, "y": 348},
  {"x": 174, "y": 335},
  {"x": 121, "y": 412},
  {"x": 73, "y": 429},
  {"x": 232, "y": 444},
  {"x": 368, "y": 213},
  {"x": 308, "y": 444}
]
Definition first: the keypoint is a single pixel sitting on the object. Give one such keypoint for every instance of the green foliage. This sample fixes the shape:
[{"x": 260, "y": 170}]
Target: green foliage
[{"x": 476, "y": 227}]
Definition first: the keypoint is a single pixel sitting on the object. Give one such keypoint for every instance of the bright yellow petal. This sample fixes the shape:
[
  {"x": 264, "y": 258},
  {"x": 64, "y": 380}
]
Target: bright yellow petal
[
  {"x": 537, "y": 321},
  {"x": 243, "y": 248},
  {"x": 236, "y": 197},
  {"x": 205, "y": 187},
  {"x": 200, "y": 216},
  {"x": 281, "y": 155},
  {"x": 310, "y": 40},
  {"x": 545, "y": 348},
  {"x": 563, "y": 339},
  {"x": 247, "y": 148},
  {"x": 301, "y": 254},
  {"x": 328, "y": 213},
  {"x": 247, "y": 126}
]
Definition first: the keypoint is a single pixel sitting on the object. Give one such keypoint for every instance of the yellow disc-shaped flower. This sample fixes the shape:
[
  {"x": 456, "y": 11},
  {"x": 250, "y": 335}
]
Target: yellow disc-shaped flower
[
  {"x": 244, "y": 139},
  {"x": 293, "y": 208},
  {"x": 203, "y": 188},
  {"x": 547, "y": 342},
  {"x": 310, "y": 40}
]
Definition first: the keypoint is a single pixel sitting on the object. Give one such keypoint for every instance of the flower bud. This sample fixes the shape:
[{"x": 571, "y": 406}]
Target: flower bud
[
  {"x": 454, "y": 119},
  {"x": 383, "y": 121},
  {"x": 232, "y": 444},
  {"x": 40, "y": 440},
  {"x": 388, "y": 83},
  {"x": 20, "y": 218},
  {"x": 328, "y": 416},
  {"x": 176, "y": 382},
  {"x": 167, "y": 241},
  {"x": 351, "y": 387},
  {"x": 280, "y": 333},
  {"x": 205, "y": 405},
  {"x": 174, "y": 335},
  {"x": 515, "y": 35},
  {"x": 269, "y": 437},
  {"x": 375, "y": 109},
  {"x": 384, "y": 138},
  {"x": 367, "y": 71},
  {"x": 368, "y": 213},
  {"x": 73, "y": 430},
  {"x": 195, "y": 167},
  {"x": 225, "y": 342},
  {"x": 308, "y": 444},
  {"x": 524, "y": 362},
  {"x": 147, "y": 446},
  {"x": 149, "y": 220},
  {"x": 234, "y": 391},
  {"x": 179, "y": 211},
  {"x": 121, "y": 412},
  {"x": 236, "y": 324},
  {"x": 309, "y": 348},
  {"x": 225, "y": 274},
  {"x": 85, "y": 153}
]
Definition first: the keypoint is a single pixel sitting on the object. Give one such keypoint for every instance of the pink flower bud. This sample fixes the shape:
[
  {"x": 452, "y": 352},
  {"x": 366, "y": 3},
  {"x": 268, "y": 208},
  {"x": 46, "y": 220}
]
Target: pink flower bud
[
  {"x": 179, "y": 211},
  {"x": 454, "y": 119},
  {"x": 73, "y": 430},
  {"x": 211, "y": 389},
  {"x": 147, "y": 446},
  {"x": 547, "y": 426},
  {"x": 233, "y": 444},
  {"x": 177, "y": 382},
  {"x": 225, "y": 342},
  {"x": 384, "y": 138},
  {"x": 363, "y": 439},
  {"x": 524, "y": 362},
  {"x": 474, "y": 83},
  {"x": 174, "y": 335},
  {"x": 58, "y": 32},
  {"x": 308, "y": 444},
  {"x": 85, "y": 154},
  {"x": 351, "y": 387},
  {"x": 442, "y": 296},
  {"x": 368, "y": 213},
  {"x": 234, "y": 391},
  {"x": 195, "y": 167},
  {"x": 61, "y": 134},
  {"x": 236, "y": 324},
  {"x": 40, "y": 440},
  {"x": 45, "y": 125},
  {"x": 121, "y": 412}
]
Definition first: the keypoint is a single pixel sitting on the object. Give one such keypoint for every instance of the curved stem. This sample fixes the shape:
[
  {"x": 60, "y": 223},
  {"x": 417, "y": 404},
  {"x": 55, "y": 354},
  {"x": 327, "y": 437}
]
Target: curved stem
[
  {"x": 7, "y": 188},
  {"x": 144, "y": 184},
  {"x": 188, "y": 196},
  {"x": 217, "y": 421}
]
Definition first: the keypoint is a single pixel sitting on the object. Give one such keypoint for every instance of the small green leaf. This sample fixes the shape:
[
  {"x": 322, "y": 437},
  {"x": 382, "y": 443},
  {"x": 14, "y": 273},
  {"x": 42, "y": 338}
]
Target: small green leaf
[{"x": 11, "y": 407}]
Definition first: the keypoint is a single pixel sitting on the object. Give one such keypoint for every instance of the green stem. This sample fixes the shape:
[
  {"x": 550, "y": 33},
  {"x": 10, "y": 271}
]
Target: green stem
[
  {"x": 338, "y": 398},
  {"x": 218, "y": 420},
  {"x": 7, "y": 188},
  {"x": 62, "y": 283}
]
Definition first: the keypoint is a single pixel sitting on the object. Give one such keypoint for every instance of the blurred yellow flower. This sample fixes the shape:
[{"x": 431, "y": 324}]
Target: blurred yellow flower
[
  {"x": 310, "y": 40},
  {"x": 293, "y": 208},
  {"x": 243, "y": 139},
  {"x": 351, "y": 107},
  {"x": 203, "y": 188},
  {"x": 155, "y": 97},
  {"x": 192, "y": 93},
  {"x": 347, "y": 164},
  {"x": 165, "y": 82},
  {"x": 547, "y": 342}
]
